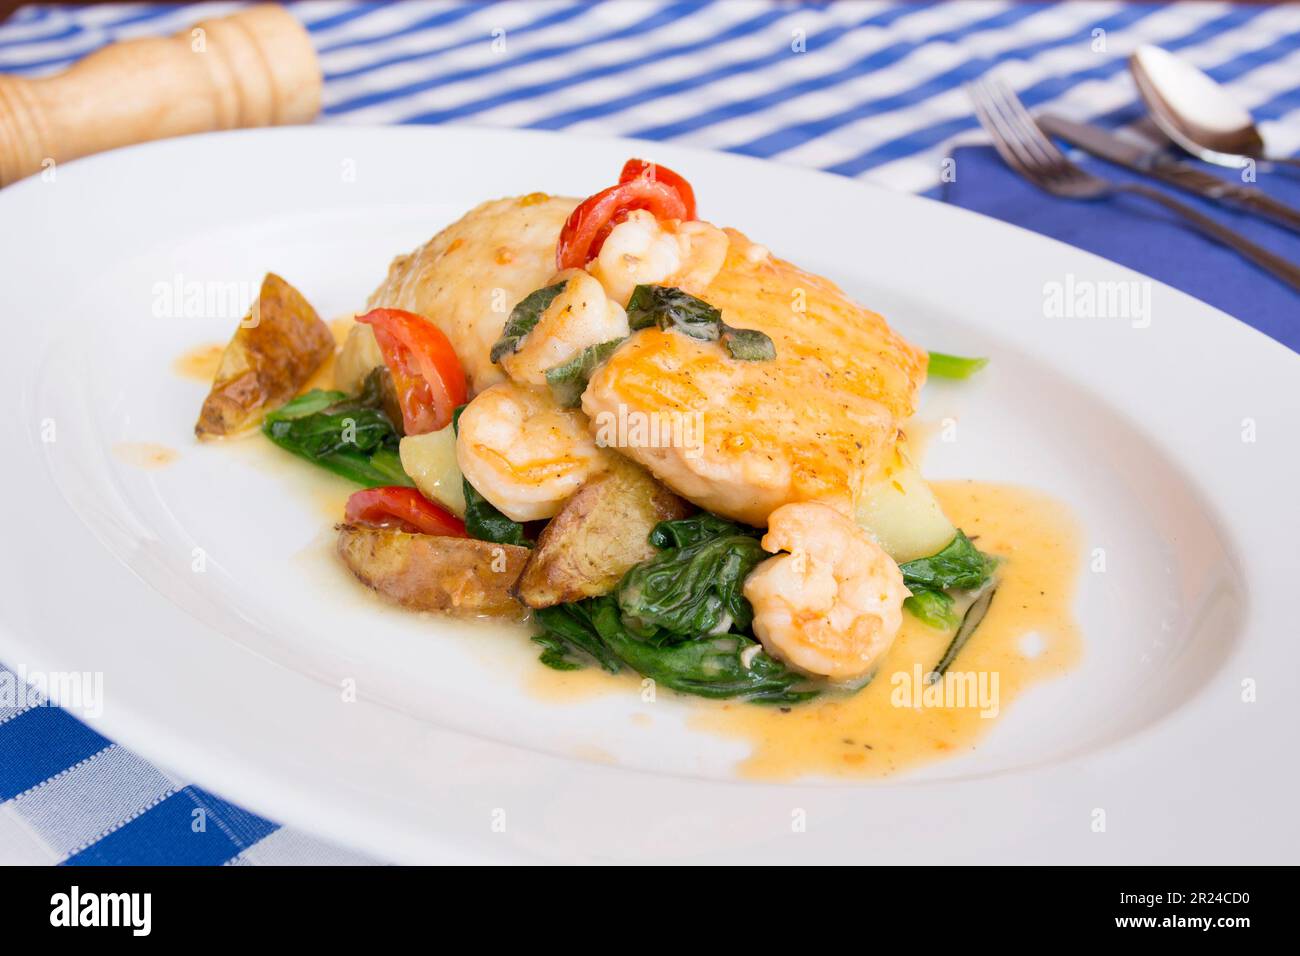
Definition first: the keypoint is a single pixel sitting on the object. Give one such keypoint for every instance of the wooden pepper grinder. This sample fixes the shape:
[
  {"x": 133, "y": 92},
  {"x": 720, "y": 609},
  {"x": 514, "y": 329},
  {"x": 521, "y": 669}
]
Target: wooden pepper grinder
[{"x": 256, "y": 67}]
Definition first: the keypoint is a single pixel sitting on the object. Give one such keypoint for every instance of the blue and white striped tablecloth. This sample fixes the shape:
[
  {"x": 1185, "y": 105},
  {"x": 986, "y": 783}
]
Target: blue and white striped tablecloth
[{"x": 863, "y": 89}]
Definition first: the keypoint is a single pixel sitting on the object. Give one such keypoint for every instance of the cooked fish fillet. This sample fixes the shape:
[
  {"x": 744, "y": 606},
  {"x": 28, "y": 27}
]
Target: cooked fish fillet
[
  {"x": 468, "y": 277},
  {"x": 743, "y": 438}
]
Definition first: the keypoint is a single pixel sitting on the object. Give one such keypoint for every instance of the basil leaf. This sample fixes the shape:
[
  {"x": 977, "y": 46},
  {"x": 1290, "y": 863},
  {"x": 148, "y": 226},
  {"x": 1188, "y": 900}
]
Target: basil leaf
[
  {"x": 523, "y": 317},
  {"x": 692, "y": 590},
  {"x": 569, "y": 380},
  {"x": 958, "y": 566},
  {"x": 749, "y": 345},
  {"x": 671, "y": 308},
  {"x": 934, "y": 608},
  {"x": 954, "y": 366},
  {"x": 483, "y": 520}
]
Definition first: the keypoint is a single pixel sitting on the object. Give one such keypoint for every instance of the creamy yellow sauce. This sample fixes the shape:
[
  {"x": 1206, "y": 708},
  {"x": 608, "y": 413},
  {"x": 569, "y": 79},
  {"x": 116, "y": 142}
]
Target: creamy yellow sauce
[
  {"x": 545, "y": 683},
  {"x": 1028, "y": 635},
  {"x": 200, "y": 362},
  {"x": 898, "y": 720}
]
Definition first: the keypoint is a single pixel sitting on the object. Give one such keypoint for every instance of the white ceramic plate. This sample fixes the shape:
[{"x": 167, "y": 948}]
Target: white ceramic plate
[{"x": 232, "y": 676}]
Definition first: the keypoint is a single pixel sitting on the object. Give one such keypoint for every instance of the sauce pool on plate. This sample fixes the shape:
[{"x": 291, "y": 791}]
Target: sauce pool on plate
[{"x": 899, "y": 720}]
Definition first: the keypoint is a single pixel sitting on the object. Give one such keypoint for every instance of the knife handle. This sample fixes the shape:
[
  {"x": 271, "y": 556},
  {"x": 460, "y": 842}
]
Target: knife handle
[
  {"x": 1238, "y": 195},
  {"x": 1270, "y": 262},
  {"x": 256, "y": 67}
]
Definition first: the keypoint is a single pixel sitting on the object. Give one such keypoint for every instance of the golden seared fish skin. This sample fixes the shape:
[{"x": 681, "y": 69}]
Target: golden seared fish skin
[
  {"x": 743, "y": 438},
  {"x": 468, "y": 277}
]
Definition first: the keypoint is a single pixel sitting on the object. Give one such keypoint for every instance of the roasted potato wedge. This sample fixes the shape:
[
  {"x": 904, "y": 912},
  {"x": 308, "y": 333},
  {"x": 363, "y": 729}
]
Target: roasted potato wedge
[
  {"x": 273, "y": 353},
  {"x": 423, "y": 572},
  {"x": 597, "y": 536}
]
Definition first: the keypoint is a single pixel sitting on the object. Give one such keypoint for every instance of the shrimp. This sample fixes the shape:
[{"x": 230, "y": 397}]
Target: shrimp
[
  {"x": 832, "y": 606},
  {"x": 642, "y": 250},
  {"x": 524, "y": 453},
  {"x": 580, "y": 316}
]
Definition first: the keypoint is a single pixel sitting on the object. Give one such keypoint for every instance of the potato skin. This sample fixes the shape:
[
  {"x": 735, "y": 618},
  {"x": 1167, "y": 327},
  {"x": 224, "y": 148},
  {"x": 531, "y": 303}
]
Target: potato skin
[
  {"x": 461, "y": 576},
  {"x": 597, "y": 536},
  {"x": 266, "y": 362}
]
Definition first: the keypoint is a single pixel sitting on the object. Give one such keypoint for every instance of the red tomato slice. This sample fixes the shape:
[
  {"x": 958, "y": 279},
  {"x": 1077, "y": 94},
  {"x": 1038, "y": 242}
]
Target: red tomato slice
[
  {"x": 429, "y": 380},
  {"x": 402, "y": 509},
  {"x": 588, "y": 226},
  {"x": 637, "y": 168}
]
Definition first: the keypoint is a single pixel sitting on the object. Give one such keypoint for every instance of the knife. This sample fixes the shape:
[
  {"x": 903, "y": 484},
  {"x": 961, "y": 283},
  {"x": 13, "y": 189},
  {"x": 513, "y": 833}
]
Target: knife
[{"x": 1152, "y": 161}]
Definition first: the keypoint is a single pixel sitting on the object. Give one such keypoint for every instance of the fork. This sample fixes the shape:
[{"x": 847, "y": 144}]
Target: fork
[{"x": 1031, "y": 153}]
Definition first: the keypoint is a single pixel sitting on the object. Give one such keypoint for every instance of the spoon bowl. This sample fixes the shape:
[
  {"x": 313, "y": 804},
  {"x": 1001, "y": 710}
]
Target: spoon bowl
[{"x": 1196, "y": 112}]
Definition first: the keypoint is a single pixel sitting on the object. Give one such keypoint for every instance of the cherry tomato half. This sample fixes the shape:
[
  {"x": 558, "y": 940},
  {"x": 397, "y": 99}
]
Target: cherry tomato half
[
  {"x": 402, "y": 509},
  {"x": 427, "y": 375},
  {"x": 650, "y": 187},
  {"x": 638, "y": 168}
]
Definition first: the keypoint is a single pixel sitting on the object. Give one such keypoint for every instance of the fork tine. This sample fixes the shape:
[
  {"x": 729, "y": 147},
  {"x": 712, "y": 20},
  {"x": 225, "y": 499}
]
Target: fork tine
[
  {"x": 1012, "y": 128},
  {"x": 1015, "y": 134},
  {"x": 1004, "y": 141},
  {"x": 1031, "y": 134}
]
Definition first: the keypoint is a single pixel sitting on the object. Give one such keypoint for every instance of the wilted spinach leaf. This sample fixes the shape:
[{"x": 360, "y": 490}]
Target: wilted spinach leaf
[
  {"x": 934, "y": 608},
  {"x": 692, "y": 588},
  {"x": 570, "y": 626},
  {"x": 697, "y": 528},
  {"x": 721, "y": 666},
  {"x": 958, "y": 566},
  {"x": 350, "y": 436}
]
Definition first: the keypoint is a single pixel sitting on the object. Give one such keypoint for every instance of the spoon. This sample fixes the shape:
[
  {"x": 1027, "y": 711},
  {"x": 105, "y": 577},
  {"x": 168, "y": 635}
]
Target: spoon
[{"x": 1196, "y": 112}]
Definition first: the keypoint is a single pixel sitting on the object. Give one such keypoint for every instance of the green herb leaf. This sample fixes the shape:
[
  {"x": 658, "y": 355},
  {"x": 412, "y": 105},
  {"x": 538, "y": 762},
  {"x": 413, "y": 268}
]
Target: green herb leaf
[
  {"x": 694, "y": 588},
  {"x": 958, "y": 566},
  {"x": 718, "y": 667},
  {"x": 555, "y": 653},
  {"x": 523, "y": 317},
  {"x": 954, "y": 366},
  {"x": 934, "y": 608},
  {"x": 569, "y": 626},
  {"x": 701, "y": 527},
  {"x": 483, "y": 520},
  {"x": 308, "y": 403},
  {"x": 671, "y": 308},
  {"x": 569, "y": 380},
  {"x": 748, "y": 345},
  {"x": 350, "y": 436}
]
